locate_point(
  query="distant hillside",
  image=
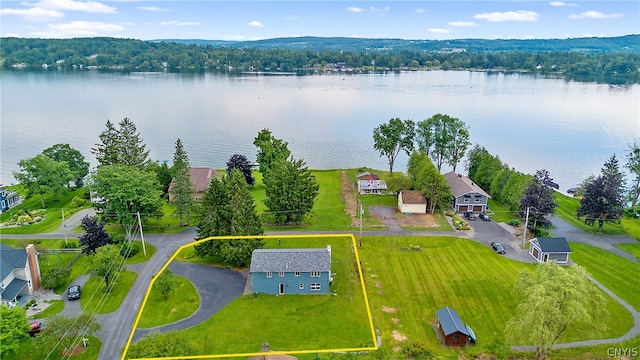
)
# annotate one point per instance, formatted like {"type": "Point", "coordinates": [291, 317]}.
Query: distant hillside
{"type": "Point", "coordinates": [592, 44]}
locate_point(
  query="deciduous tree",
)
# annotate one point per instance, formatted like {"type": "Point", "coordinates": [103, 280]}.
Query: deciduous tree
{"type": "Point", "coordinates": [426, 178]}
{"type": "Point", "coordinates": [165, 283]}
{"type": "Point", "coordinates": [78, 166]}
{"type": "Point", "coordinates": [54, 277]}
{"type": "Point", "coordinates": [392, 137]}
{"type": "Point", "coordinates": [13, 329]}
{"type": "Point", "coordinates": [552, 300]}
{"type": "Point", "coordinates": [108, 264]}
{"type": "Point", "coordinates": [241, 163]}
{"type": "Point", "coordinates": [291, 191]}
{"type": "Point", "coordinates": [633, 165]}
{"type": "Point", "coordinates": [42, 175]}
{"type": "Point", "coordinates": [182, 188]}
{"type": "Point", "coordinates": [539, 199]}
{"type": "Point", "coordinates": [444, 138]}
{"type": "Point", "coordinates": [67, 331]}
{"type": "Point", "coordinates": [95, 235]}
{"type": "Point", "coordinates": [270, 150]}
{"type": "Point", "coordinates": [126, 191]}
{"type": "Point", "coordinates": [603, 198]}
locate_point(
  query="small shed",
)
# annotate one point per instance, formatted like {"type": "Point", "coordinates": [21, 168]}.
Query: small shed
{"type": "Point", "coordinates": [412, 202]}
{"type": "Point", "coordinates": [545, 249]}
{"type": "Point", "coordinates": [451, 330]}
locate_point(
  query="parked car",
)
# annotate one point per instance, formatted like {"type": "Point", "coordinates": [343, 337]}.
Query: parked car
{"type": "Point", "coordinates": [484, 217]}
{"type": "Point", "coordinates": [73, 292]}
{"type": "Point", "coordinates": [470, 215]}
{"type": "Point", "coordinates": [498, 247]}
{"type": "Point", "coordinates": [34, 328]}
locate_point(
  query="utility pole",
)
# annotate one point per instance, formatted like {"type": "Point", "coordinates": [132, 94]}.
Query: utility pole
{"type": "Point", "coordinates": [144, 247]}
{"type": "Point", "coordinates": [361, 211]}
{"type": "Point", "coordinates": [526, 223]}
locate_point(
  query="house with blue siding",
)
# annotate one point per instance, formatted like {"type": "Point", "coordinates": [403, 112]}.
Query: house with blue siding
{"type": "Point", "coordinates": [8, 199]}
{"type": "Point", "coordinates": [291, 271]}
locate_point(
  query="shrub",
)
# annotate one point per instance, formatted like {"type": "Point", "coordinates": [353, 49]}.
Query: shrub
{"type": "Point", "coordinates": [130, 248]}
{"type": "Point", "coordinates": [77, 202]}
{"type": "Point", "coordinates": [70, 245]}
{"type": "Point", "coordinates": [54, 277]}
{"type": "Point", "coordinates": [514, 222]}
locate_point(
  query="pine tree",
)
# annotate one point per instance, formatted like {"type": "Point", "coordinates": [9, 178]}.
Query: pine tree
{"type": "Point", "coordinates": [122, 146]}
{"type": "Point", "coordinates": [107, 151]}
{"type": "Point", "coordinates": [291, 190]}
{"type": "Point", "coordinates": [214, 217]}
{"type": "Point", "coordinates": [182, 189]}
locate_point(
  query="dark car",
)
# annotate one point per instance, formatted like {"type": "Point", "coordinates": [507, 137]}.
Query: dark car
{"type": "Point", "coordinates": [484, 217]}
{"type": "Point", "coordinates": [498, 247]}
{"type": "Point", "coordinates": [34, 328]}
{"type": "Point", "coordinates": [470, 215]}
{"type": "Point", "coordinates": [73, 292]}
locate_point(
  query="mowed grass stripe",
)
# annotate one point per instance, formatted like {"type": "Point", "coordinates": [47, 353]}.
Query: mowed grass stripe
{"type": "Point", "coordinates": [616, 273]}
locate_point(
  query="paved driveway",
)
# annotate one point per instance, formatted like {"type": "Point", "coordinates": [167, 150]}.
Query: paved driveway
{"type": "Point", "coordinates": [486, 232]}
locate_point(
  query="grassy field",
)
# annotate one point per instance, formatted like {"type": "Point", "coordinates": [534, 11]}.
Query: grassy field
{"type": "Point", "coordinates": [406, 288]}
{"type": "Point", "coordinates": [631, 248]}
{"type": "Point", "coordinates": [181, 303]}
{"type": "Point", "coordinates": [29, 351]}
{"type": "Point", "coordinates": [297, 322]}
{"type": "Point", "coordinates": [617, 274]}
{"type": "Point", "coordinates": [567, 209]}
{"type": "Point", "coordinates": [95, 300]}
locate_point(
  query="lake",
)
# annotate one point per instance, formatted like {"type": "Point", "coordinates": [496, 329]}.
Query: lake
{"type": "Point", "coordinates": [568, 128]}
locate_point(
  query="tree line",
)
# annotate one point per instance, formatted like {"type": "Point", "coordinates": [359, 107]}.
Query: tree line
{"type": "Point", "coordinates": [612, 66]}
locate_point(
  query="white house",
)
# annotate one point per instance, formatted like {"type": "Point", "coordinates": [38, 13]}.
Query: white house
{"type": "Point", "coordinates": [412, 202]}
{"type": "Point", "coordinates": [19, 273]}
{"type": "Point", "coordinates": [545, 249]}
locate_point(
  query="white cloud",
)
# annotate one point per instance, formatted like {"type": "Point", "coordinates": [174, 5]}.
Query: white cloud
{"type": "Point", "coordinates": [462, 23]}
{"type": "Point", "coordinates": [179, 23]}
{"type": "Point", "coordinates": [255, 23]}
{"type": "Point", "coordinates": [591, 14]}
{"type": "Point", "coordinates": [438, 31]}
{"type": "Point", "coordinates": [561, 4]}
{"type": "Point", "coordinates": [520, 15]}
{"type": "Point", "coordinates": [34, 13]}
{"type": "Point", "coordinates": [79, 29]}
{"type": "Point", "coordinates": [378, 10]}
{"type": "Point", "coordinates": [153, 9]}
{"type": "Point", "coordinates": [420, 11]}
{"type": "Point", "coordinates": [84, 6]}
{"type": "Point", "coordinates": [355, 9]}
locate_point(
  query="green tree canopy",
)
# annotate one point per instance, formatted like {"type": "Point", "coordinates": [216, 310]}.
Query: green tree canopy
{"type": "Point", "coordinates": [161, 345]}
{"type": "Point", "coordinates": [633, 165]}
{"type": "Point", "coordinates": [108, 264]}
{"type": "Point", "coordinates": [552, 300]}
{"type": "Point", "coordinates": [426, 178]}
{"type": "Point", "coordinates": [121, 146]}
{"type": "Point", "coordinates": [392, 137]}
{"type": "Point", "coordinates": [165, 283]}
{"type": "Point", "coordinates": [78, 166]}
{"type": "Point", "coordinates": [42, 175]}
{"type": "Point", "coordinates": [444, 138]}
{"type": "Point", "coordinates": [13, 329]}
{"type": "Point", "coordinates": [67, 332]}
{"type": "Point", "coordinates": [126, 191]}
{"type": "Point", "coordinates": [270, 150]}
{"type": "Point", "coordinates": [291, 191]}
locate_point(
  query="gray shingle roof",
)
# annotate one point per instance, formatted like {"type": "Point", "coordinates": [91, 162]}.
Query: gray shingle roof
{"type": "Point", "coordinates": [11, 259]}
{"type": "Point", "coordinates": [288, 260]}
{"type": "Point", "coordinates": [13, 289]}
{"type": "Point", "coordinates": [554, 245]}
{"type": "Point", "coordinates": [450, 321]}
{"type": "Point", "coordinates": [461, 185]}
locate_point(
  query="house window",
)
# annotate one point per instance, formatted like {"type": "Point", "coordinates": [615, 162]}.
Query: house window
{"type": "Point", "coordinates": [269, 274]}
{"type": "Point", "coordinates": [315, 287]}
{"type": "Point", "coordinates": [478, 198]}
{"type": "Point", "coordinates": [297, 273]}
{"type": "Point", "coordinates": [281, 274]}
{"type": "Point", "coordinates": [315, 274]}
{"type": "Point", "coordinates": [467, 198]}
{"type": "Point", "coordinates": [456, 337]}
{"type": "Point", "coordinates": [301, 286]}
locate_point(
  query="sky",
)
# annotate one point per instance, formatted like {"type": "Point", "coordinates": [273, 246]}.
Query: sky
{"type": "Point", "coordinates": [255, 20]}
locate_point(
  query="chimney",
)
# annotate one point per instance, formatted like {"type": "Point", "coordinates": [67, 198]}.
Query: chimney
{"type": "Point", "coordinates": [34, 268]}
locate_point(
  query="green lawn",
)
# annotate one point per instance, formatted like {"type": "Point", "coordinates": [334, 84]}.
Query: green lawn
{"type": "Point", "coordinates": [29, 351]}
{"type": "Point", "coordinates": [616, 273]}
{"type": "Point", "coordinates": [632, 226]}
{"type": "Point", "coordinates": [500, 213]}
{"type": "Point", "coordinates": [52, 220]}
{"type": "Point", "coordinates": [406, 288]}
{"type": "Point", "coordinates": [567, 209]}
{"type": "Point", "coordinates": [94, 299]}
{"type": "Point", "coordinates": [631, 248]}
{"type": "Point", "coordinates": [55, 307]}
{"type": "Point", "coordinates": [181, 303]}
{"type": "Point", "coordinates": [297, 322]}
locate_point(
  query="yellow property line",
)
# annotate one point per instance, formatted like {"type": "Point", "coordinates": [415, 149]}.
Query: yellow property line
{"type": "Point", "coordinates": [364, 292]}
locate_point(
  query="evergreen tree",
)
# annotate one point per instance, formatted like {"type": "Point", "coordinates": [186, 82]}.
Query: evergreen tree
{"type": "Point", "coordinates": [603, 198]}
{"type": "Point", "coordinates": [291, 191]}
{"type": "Point", "coordinates": [182, 189]}
{"type": "Point", "coordinates": [214, 217]}
{"type": "Point", "coordinates": [121, 146]}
